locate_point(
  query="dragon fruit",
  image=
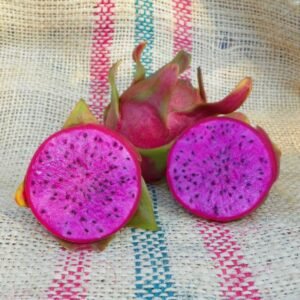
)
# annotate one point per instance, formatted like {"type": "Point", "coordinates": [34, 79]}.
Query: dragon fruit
{"type": "Point", "coordinates": [63, 183]}
{"type": "Point", "coordinates": [154, 111]}
{"type": "Point", "coordinates": [83, 183]}
{"type": "Point", "coordinates": [222, 168]}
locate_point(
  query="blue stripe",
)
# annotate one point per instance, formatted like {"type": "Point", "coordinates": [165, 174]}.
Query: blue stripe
{"type": "Point", "coordinates": [144, 30]}
{"type": "Point", "coordinates": [152, 267]}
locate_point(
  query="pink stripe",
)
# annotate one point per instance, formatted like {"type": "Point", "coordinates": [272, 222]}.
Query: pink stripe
{"type": "Point", "coordinates": [236, 279]}
{"type": "Point", "coordinates": [71, 275]}
{"type": "Point", "coordinates": [100, 59]}
{"type": "Point", "coordinates": [182, 14]}
{"type": "Point", "coordinates": [73, 267]}
{"type": "Point", "coordinates": [235, 276]}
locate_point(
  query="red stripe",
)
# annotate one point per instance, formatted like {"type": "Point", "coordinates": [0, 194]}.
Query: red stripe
{"type": "Point", "coordinates": [100, 58]}
{"type": "Point", "coordinates": [236, 279]}
{"type": "Point", "coordinates": [73, 267]}
{"type": "Point", "coordinates": [234, 273]}
{"type": "Point", "coordinates": [71, 275]}
{"type": "Point", "coordinates": [182, 14]}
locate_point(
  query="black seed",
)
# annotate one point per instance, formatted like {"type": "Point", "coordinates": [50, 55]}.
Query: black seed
{"type": "Point", "coordinates": [65, 207]}
{"type": "Point", "coordinates": [248, 184]}
{"type": "Point", "coordinates": [250, 141]}
{"type": "Point", "coordinates": [100, 230]}
{"type": "Point", "coordinates": [65, 141]}
{"type": "Point", "coordinates": [213, 183]}
{"type": "Point", "coordinates": [68, 196]}
{"type": "Point", "coordinates": [73, 212]}
{"type": "Point", "coordinates": [92, 155]}
{"type": "Point", "coordinates": [115, 209]}
{"type": "Point", "coordinates": [60, 179]}
{"type": "Point", "coordinates": [240, 197]}
{"type": "Point", "coordinates": [33, 182]}
{"type": "Point", "coordinates": [46, 181]}
{"type": "Point", "coordinates": [234, 187]}
{"type": "Point", "coordinates": [115, 144]}
{"type": "Point", "coordinates": [230, 194]}
{"type": "Point", "coordinates": [69, 232]}
{"type": "Point", "coordinates": [94, 221]}
{"type": "Point", "coordinates": [43, 211]}
{"type": "Point", "coordinates": [40, 160]}
{"type": "Point", "coordinates": [72, 146]}
{"type": "Point", "coordinates": [86, 230]}
{"type": "Point", "coordinates": [121, 148]}
{"type": "Point", "coordinates": [85, 135]}
{"type": "Point", "coordinates": [215, 208]}
{"type": "Point", "coordinates": [197, 196]}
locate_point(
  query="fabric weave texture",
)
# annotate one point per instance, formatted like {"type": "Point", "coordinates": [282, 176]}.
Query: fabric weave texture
{"type": "Point", "coordinates": [54, 52]}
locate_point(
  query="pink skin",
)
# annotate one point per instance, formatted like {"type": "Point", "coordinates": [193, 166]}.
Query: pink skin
{"type": "Point", "coordinates": [274, 171]}
{"type": "Point", "coordinates": [108, 132]}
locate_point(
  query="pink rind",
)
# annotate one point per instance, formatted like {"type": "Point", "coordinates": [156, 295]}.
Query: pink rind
{"type": "Point", "coordinates": [266, 141]}
{"type": "Point", "coordinates": [107, 131]}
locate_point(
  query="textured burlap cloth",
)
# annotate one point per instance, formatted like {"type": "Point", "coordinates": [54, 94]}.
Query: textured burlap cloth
{"type": "Point", "coordinates": [54, 52]}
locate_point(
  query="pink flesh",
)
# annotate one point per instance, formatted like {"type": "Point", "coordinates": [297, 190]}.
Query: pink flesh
{"type": "Point", "coordinates": [83, 183]}
{"type": "Point", "coordinates": [221, 169]}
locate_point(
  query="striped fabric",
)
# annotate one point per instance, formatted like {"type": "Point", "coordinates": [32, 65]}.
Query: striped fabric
{"type": "Point", "coordinates": [188, 257]}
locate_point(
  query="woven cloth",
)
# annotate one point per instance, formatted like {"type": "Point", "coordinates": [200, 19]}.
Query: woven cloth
{"type": "Point", "coordinates": [54, 52]}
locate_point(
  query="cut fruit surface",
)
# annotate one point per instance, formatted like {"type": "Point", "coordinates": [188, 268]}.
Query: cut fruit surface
{"type": "Point", "coordinates": [221, 169]}
{"type": "Point", "coordinates": [83, 183]}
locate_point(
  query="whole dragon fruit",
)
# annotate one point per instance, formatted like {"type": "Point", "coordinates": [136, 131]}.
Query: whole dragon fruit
{"type": "Point", "coordinates": [154, 111]}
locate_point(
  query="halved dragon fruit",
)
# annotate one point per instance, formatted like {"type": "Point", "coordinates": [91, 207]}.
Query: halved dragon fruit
{"type": "Point", "coordinates": [155, 110]}
{"type": "Point", "coordinates": [222, 168]}
{"type": "Point", "coordinates": [84, 183]}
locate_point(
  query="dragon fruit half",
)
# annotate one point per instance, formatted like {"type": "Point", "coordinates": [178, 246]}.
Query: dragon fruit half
{"type": "Point", "coordinates": [154, 111]}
